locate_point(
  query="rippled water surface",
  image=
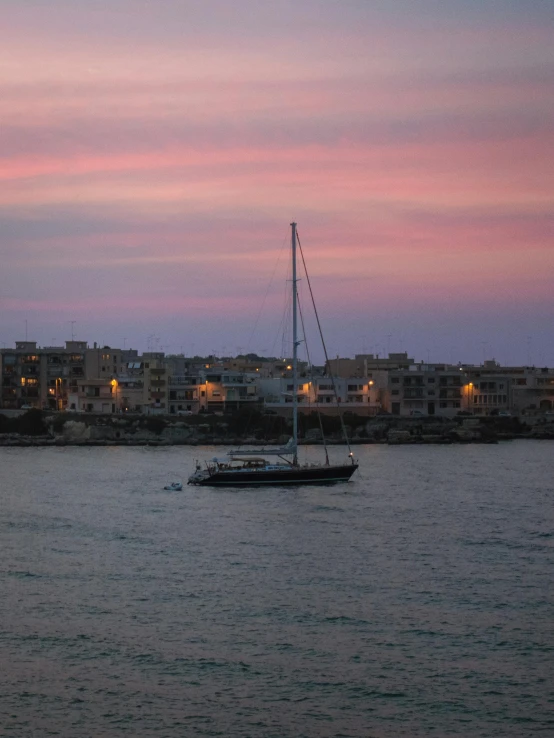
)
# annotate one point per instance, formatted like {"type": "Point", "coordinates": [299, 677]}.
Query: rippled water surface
{"type": "Point", "coordinates": [420, 603]}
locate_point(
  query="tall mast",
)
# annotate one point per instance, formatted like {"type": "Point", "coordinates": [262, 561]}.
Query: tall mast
{"type": "Point", "coordinates": [294, 346]}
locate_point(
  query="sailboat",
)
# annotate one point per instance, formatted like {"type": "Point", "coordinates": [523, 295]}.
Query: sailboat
{"type": "Point", "coordinates": [243, 468]}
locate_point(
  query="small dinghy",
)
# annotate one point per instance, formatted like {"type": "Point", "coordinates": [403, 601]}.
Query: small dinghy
{"type": "Point", "coordinates": [174, 487]}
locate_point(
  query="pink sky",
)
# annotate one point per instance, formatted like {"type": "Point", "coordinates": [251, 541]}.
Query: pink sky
{"type": "Point", "coordinates": [152, 156]}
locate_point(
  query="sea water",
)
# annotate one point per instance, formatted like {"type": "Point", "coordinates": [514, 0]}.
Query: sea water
{"type": "Point", "coordinates": [417, 600]}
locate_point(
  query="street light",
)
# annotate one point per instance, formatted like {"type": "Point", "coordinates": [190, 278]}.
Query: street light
{"type": "Point", "coordinates": [470, 397]}
{"type": "Point", "coordinates": [58, 383]}
{"type": "Point", "coordinates": [114, 388]}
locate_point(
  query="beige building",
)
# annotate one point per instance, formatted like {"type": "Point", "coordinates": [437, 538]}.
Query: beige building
{"type": "Point", "coordinates": [40, 377]}
{"type": "Point", "coordinates": [94, 396]}
{"type": "Point", "coordinates": [362, 365]}
{"type": "Point", "coordinates": [225, 390]}
{"type": "Point", "coordinates": [156, 392]}
{"type": "Point", "coordinates": [425, 389]}
{"type": "Point", "coordinates": [356, 395]}
{"type": "Point", "coordinates": [519, 390]}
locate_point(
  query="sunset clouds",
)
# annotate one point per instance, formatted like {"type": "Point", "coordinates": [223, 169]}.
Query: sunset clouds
{"type": "Point", "coordinates": [153, 154]}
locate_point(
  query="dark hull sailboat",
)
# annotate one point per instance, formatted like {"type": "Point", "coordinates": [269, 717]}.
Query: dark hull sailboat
{"type": "Point", "coordinates": [272, 475]}
{"type": "Point", "coordinates": [247, 468]}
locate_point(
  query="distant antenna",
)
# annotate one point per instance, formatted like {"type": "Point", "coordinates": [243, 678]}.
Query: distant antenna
{"type": "Point", "coordinates": [72, 328]}
{"type": "Point", "coordinates": [25, 330]}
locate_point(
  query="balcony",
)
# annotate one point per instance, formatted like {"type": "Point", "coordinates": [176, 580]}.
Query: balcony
{"type": "Point", "coordinates": [184, 381]}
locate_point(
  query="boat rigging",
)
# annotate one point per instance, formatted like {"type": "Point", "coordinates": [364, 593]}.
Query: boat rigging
{"type": "Point", "coordinates": [243, 468]}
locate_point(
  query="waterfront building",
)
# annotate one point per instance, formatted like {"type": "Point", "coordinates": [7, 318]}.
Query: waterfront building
{"type": "Point", "coordinates": [155, 389]}
{"type": "Point", "coordinates": [425, 389]}
{"type": "Point", "coordinates": [362, 365]}
{"type": "Point", "coordinates": [40, 377]}
{"type": "Point", "coordinates": [222, 390]}
{"type": "Point", "coordinates": [356, 395]}
{"type": "Point", "coordinates": [487, 389]}
{"type": "Point", "coordinates": [107, 362]}
{"type": "Point", "coordinates": [491, 389]}
{"type": "Point", "coordinates": [94, 396]}
{"type": "Point", "coordinates": [112, 380]}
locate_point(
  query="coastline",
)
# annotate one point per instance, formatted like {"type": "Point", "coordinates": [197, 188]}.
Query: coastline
{"type": "Point", "coordinates": [38, 429]}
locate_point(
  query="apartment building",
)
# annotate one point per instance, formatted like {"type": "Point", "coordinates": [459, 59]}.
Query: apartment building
{"type": "Point", "coordinates": [155, 388]}
{"type": "Point", "coordinates": [357, 395]}
{"type": "Point", "coordinates": [363, 365]}
{"type": "Point", "coordinates": [492, 389]}
{"type": "Point", "coordinates": [223, 390]}
{"type": "Point", "coordinates": [40, 377]}
{"type": "Point", "coordinates": [425, 389]}
{"type": "Point", "coordinates": [94, 396]}
{"type": "Point", "coordinates": [112, 380]}
{"type": "Point", "coordinates": [487, 389]}
{"type": "Point", "coordinates": [537, 394]}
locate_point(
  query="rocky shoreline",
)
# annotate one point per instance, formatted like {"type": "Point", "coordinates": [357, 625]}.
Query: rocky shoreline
{"type": "Point", "coordinates": [62, 429]}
